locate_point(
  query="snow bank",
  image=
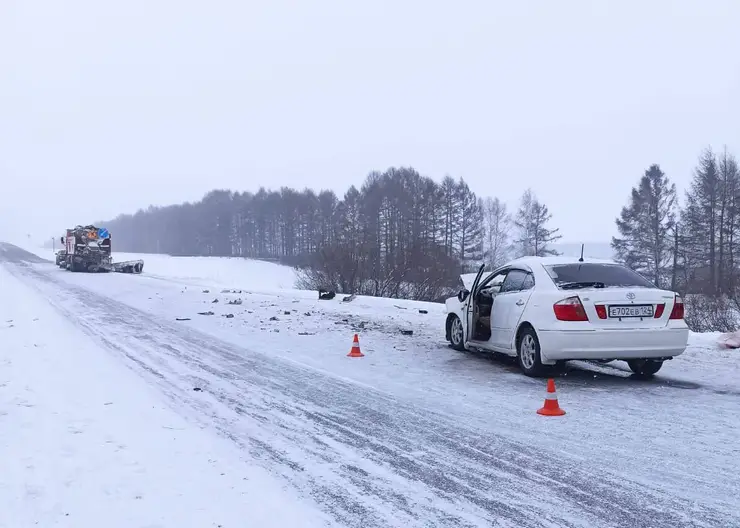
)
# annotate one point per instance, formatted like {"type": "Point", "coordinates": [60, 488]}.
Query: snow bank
{"type": "Point", "coordinates": [87, 443]}
{"type": "Point", "coordinates": [222, 272]}
{"type": "Point", "coordinates": [39, 251]}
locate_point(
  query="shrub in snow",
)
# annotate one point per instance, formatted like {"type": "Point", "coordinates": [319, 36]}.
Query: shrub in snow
{"type": "Point", "coordinates": [711, 314]}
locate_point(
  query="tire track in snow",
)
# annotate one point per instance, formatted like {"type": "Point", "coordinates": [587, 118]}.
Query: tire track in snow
{"type": "Point", "coordinates": [368, 458]}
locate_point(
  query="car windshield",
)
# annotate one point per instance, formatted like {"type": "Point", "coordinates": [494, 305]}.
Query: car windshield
{"type": "Point", "coordinates": [590, 275]}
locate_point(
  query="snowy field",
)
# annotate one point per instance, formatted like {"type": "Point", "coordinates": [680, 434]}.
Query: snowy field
{"type": "Point", "coordinates": [262, 401]}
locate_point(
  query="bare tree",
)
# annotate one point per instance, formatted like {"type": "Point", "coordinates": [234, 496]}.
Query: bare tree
{"type": "Point", "coordinates": [523, 244]}
{"type": "Point", "coordinates": [531, 222]}
{"type": "Point", "coordinates": [497, 228]}
{"type": "Point", "coordinates": [399, 234]}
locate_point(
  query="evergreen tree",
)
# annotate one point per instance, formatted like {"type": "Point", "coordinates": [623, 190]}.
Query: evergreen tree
{"type": "Point", "coordinates": [700, 221]}
{"type": "Point", "coordinates": [646, 227]}
{"type": "Point", "coordinates": [729, 222]}
{"type": "Point", "coordinates": [470, 234]}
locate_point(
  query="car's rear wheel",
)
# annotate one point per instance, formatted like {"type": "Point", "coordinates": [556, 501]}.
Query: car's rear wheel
{"type": "Point", "coordinates": [457, 334]}
{"type": "Point", "coordinates": [528, 353]}
{"type": "Point", "coordinates": [645, 368]}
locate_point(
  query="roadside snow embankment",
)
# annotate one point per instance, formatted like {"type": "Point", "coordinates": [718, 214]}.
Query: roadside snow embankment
{"type": "Point", "coordinates": [88, 443]}
{"type": "Point", "coordinates": [222, 272]}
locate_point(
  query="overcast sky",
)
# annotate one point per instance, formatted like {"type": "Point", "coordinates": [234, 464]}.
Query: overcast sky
{"type": "Point", "coordinates": [107, 107]}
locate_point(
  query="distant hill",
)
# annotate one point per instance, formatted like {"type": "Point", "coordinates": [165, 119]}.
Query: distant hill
{"type": "Point", "coordinates": [602, 250]}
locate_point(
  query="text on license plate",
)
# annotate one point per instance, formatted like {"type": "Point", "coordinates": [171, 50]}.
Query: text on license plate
{"type": "Point", "coordinates": [633, 310]}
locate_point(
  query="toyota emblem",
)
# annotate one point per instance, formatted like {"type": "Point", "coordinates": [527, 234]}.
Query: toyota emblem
{"type": "Point", "coordinates": [630, 296]}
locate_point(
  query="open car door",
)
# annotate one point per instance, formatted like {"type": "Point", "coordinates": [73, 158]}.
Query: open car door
{"type": "Point", "coordinates": [470, 306]}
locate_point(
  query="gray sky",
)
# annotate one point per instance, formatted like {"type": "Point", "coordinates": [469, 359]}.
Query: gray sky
{"type": "Point", "coordinates": [106, 107]}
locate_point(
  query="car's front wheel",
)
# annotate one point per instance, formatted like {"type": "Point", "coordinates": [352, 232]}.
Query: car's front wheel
{"type": "Point", "coordinates": [645, 368]}
{"type": "Point", "coordinates": [457, 334]}
{"type": "Point", "coordinates": [528, 353]}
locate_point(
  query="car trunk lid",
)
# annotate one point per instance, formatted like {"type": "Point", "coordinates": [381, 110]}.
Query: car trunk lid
{"type": "Point", "coordinates": [627, 308]}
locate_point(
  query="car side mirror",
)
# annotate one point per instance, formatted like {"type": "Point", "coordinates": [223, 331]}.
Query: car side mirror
{"type": "Point", "coordinates": [61, 239]}
{"type": "Point", "coordinates": [462, 295]}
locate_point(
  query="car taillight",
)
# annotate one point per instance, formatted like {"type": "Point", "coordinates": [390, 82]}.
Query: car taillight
{"type": "Point", "coordinates": [601, 311]}
{"type": "Point", "coordinates": [659, 310]}
{"type": "Point", "coordinates": [570, 309]}
{"type": "Point", "coordinates": [677, 312]}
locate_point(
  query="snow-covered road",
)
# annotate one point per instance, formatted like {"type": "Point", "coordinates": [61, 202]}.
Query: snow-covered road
{"type": "Point", "coordinates": [87, 443]}
{"type": "Point", "coordinates": [413, 434]}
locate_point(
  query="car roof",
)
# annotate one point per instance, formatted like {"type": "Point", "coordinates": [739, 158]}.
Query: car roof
{"type": "Point", "coordinates": [552, 261]}
{"type": "Point", "coordinates": [532, 264]}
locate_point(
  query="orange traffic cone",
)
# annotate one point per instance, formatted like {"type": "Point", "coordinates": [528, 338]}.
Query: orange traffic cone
{"type": "Point", "coordinates": [355, 352]}
{"type": "Point", "coordinates": [551, 407]}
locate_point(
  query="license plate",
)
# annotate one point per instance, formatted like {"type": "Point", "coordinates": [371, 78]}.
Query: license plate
{"type": "Point", "coordinates": [631, 310]}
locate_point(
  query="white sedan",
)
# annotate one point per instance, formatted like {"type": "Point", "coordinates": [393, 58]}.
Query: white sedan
{"type": "Point", "coordinates": [547, 310]}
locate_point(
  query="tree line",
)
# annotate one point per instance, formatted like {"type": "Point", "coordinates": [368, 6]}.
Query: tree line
{"type": "Point", "coordinates": [691, 246]}
{"type": "Point", "coordinates": [400, 234]}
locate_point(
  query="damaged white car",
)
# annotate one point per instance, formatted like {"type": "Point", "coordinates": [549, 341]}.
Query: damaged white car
{"type": "Point", "coordinates": [547, 310]}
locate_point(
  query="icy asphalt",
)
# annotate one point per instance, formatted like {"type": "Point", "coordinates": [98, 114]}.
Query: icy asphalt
{"type": "Point", "coordinates": [367, 457]}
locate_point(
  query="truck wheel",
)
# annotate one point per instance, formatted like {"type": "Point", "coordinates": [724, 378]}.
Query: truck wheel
{"type": "Point", "coordinates": [645, 368]}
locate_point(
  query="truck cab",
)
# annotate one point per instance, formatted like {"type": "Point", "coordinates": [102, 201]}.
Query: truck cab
{"type": "Point", "coordinates": [87, 248]}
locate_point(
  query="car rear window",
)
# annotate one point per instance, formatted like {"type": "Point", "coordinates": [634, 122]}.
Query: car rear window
{"type": "Point", "coordinates": [608, 274]}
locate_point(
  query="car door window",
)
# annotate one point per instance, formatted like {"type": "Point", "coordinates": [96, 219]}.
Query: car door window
{"type": "Point", "coordinates": [514, 281]}
{"type": "Point", "coordinates": [528, 283]}
{"type": "Point", "coordinates": [493, 283]}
